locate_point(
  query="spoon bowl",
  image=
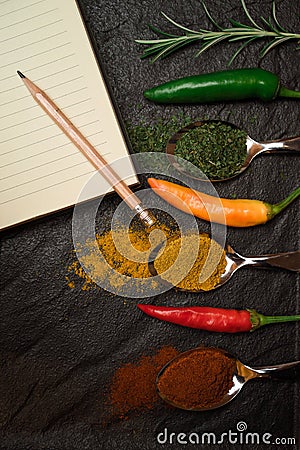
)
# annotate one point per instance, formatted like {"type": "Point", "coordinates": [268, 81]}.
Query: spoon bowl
{"type": "Point", "coordinates": [241, 374]}
{"type": "Point", "coordinates": [252, 149]}
{"type": "Point", "coordinates": [234, 261]}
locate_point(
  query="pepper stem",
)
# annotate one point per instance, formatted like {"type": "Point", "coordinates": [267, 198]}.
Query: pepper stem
{"type": "Point", "coordinates": [284, 92]}
{"type": "Point", "coordinates": [275, 209]}
{"type": "Point", "coordinates": [258, 320]}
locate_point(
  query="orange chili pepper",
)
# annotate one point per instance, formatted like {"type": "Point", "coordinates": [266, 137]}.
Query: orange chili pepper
{"type": "Point", "coordinates": [232, 212]}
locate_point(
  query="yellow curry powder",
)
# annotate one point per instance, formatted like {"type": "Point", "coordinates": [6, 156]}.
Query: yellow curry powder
{"type": "Point", "coordinates": [200, 264]}
{"type": "Point", "coordinates": [126, 251]}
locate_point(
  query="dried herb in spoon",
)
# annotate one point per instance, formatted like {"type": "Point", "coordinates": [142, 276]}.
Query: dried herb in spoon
{"type": "Point", "coordinates": [218, 149]}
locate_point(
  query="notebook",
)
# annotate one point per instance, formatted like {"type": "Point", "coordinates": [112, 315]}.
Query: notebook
{"type": "Point", "coordinates": [41, 171]}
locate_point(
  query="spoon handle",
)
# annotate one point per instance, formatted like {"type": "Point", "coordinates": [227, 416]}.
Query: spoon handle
{"type": "Point", "coordinates": [281, 145]}
{"type": "Point", "coordinates": [287, 260]}
{"type": "Point", "coordinates": [287, 370]}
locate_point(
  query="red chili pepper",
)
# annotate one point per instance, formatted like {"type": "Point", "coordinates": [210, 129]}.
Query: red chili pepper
{"type": "Point", "coordinates": [214, 319]}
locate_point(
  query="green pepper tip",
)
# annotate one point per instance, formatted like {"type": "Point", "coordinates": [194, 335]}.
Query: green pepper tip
{"type": "Point", "coordinates": [273, 210]}
{"type": "Point", "coordinates": [258, 320]}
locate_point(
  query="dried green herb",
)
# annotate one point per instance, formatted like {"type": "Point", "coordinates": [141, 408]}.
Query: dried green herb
{"type": "Point", "coordinates": [218, 149]}
{"type": "Point", "coordinates": [153, 138]}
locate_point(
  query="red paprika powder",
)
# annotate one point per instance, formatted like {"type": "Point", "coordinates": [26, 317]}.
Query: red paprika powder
{"type": "Point", "coordinates": [133, 385]}
{"type": "Point", "coordinates": [197, 379]}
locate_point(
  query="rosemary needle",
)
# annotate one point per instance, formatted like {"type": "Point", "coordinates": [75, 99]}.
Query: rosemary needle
{"type": "Point", "coordinates": [168, 43]}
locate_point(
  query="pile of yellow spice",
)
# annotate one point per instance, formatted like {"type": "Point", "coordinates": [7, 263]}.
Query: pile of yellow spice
{"type": "Point", "coordinates": [117, 254]}
{"type": "Point", "coordinates": [192, 262]}
{"type": "Point", "coordinates": [126, 251]}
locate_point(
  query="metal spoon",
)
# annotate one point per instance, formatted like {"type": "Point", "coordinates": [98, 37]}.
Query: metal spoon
{"type": "Point", "coordinates": [234, 261]}
{"type": "Point", "coordinates": [241, 375]}
{"type": "Point", "coordinates": [254, 148]}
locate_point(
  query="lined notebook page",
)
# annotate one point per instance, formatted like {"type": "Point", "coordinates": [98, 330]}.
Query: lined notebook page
{"type": "Point", "coordinates": [41, 171]}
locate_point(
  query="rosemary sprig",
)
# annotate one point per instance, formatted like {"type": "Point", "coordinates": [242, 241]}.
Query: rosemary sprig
{"type": "Point", "coordinates": [167, 43]}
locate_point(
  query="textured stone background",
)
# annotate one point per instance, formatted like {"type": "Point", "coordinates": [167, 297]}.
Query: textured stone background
{"type": "Point", "coordinates": [59, 347]}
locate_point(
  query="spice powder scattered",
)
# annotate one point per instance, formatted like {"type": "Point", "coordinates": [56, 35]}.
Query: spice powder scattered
{"type": "Point", "coordinates": [125, 251]}
{"type": "Point", "coordinates": [199, 379]}
{"type": "Point", "coordinates": [133, 386]}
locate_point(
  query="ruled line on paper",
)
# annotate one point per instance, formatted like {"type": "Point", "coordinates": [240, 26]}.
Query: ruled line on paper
{"type": "Point", "coordinates": [37, 167]}
{"type": "Point", "coordinates": [55, 98]}
{"type": "Point", "coordinates": [25, 7]}
{"type": "Point", "coordinates": [48, 187]}
{"type": "Point", "coordinates": [45, 176]}
{"type": "Point", "coordinates": [83, 113]}
{"type": "Point", "coordinates": [53, 61]}
{"type": "Point", "coordinates": [37, 154]}
{"type": "Point", "coordinates": [43, 115]}
{"type": "Point", "coordinates": [51, 125]}
{"type": "Point", "coordinates": [27, 20]}
{"type": "Point", "coordinates": [48, 163]}
{"type": "Point", "coordinates": [5, 1]}
{"type": "Point", "coordinates": [31, 44]}
{"type": "Point", "coordinates": [51, 74]}
{"type": "Point", "coordinates": [77, 103]}
{"type": "Point", "coordinates": [39, 54]}
{"type": "Point", "coordinates": [42, 27]}
{"type": "Point", "coordinates": [43, 128]}
{"type": "Point", "coordinates": [35, 106]}
{"type": "Point", "coordinates": [12, 101]}
{"type": "Point", "coordinates": [30, 145]}
{"type": "Point", "coordinates": [26, 134]}
{"type": "Point", "coordinates": [64, 83]}
{"type": "Point", "coordinates": [30, 69]}
{"type": "Point", "coordinates": [22, 123]}
{"type": "Point", "coordinates": [46, 151]}
{"type": "Point", "coordinates": [54, 148]}
{"type": "Point", "coordinates": [52, 87]}
{"type": "Point", "coordinates": [19, 110]}
{"type": "Point", "coordinates": [32, 119]}
{"type": "Point", "coordinates": [70, 93]}
{"type": "Point", "coordinates": [11, 89]}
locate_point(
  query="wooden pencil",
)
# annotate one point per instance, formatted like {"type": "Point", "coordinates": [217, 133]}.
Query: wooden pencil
{"type": "Point", "coordinates": [88, 150]}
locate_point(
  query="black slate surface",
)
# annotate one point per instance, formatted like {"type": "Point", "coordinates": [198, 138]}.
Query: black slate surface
{"type": "Point", "coordinates": [60, 346]}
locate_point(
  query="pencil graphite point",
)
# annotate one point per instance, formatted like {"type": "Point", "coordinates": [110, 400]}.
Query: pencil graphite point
{"type": "Point", "coordinates": [20, 74]}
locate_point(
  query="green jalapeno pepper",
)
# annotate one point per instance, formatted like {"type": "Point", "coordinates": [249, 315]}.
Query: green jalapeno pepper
{"type": "Point", "coordinates": [227, 85]}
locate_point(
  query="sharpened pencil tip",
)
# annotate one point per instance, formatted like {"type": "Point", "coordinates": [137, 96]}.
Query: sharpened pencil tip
{"type": "Point", "coordinates": [20, 74]}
